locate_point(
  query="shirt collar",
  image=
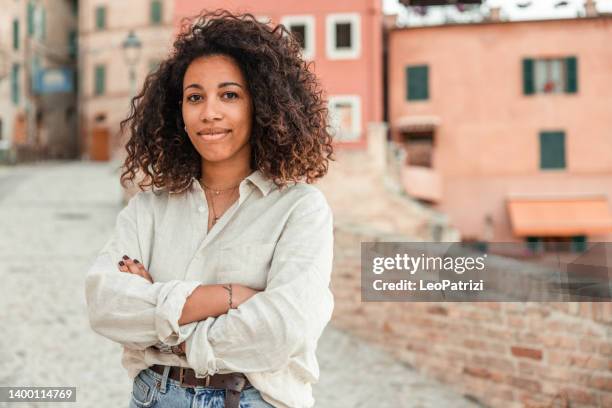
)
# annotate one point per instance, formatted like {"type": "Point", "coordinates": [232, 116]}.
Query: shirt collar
{"type": "Point", "coordinates": [264, 184]}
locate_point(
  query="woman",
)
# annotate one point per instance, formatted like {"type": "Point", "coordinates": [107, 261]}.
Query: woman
{"type": "Point", "coordinates": [216, 282]}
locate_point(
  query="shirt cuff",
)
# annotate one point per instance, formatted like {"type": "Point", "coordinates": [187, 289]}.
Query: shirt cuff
{"type": "Point", "coordinates": [168, 311]}
{"type": "Point", "coordinates": [200, 354]}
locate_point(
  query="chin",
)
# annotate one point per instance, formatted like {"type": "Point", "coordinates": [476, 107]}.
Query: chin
{"type": "Point", "coordinates": [215, 156]}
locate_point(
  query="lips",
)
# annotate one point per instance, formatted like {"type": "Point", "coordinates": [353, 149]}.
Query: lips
{"type": "Point", "coordinates": [213, 134]}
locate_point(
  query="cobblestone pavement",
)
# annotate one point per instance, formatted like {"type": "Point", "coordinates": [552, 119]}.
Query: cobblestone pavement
{"type": "Point", "coordinates": [54, 217]}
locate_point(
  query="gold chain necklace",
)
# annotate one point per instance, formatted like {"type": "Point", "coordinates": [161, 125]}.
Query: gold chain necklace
{"type": "Point", "coordinates": [216, 193]}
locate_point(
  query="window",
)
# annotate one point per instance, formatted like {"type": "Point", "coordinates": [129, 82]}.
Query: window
{"type": "Point", "coordinates": [534, 244]}
{"type": "Point", "coordinates": [576, 243]}
{"type": "Point", "coordinates": [100, 79]}
{"type": "Point", "coordinates": [73, 46]}
{"type": "Point", "coordinates": [417, 81]}
{"type": "Point", "coordinates": [100, 18]}
{"type": "Point", "coordinates": [552, 150]}
{"type": "Point", "coordinates": [343, 36]}
{"type": "Point", "coordinates": [419, 148]}
{"type": "Point", "coordinates": [345, 117]}
{"type": "Point", "coordinates": [15, 34]}
{"type": "Point", "coordinates": [303, 29]}
{"type": "Point", "coordinates": [551, 75]}
{"type": "Point", "coordinates": [579, 243]}
{"type": "Point", "coordinates": [15, 91]}
{"type": "Point", "coordinates": [156, 12]}
{"type": "Point", "coordinates": [41, 23]}
{"type": "Point", "coordinates": [30, 19]}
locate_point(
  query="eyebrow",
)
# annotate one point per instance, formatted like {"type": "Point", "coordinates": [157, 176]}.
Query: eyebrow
{"type": "Point", "coordinates": [221, 85]}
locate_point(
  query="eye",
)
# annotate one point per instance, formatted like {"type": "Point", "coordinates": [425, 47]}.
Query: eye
{"type": "Point", "coordinates": [230, 95]}
{"type": "Point", "coordinates": [194, 98]}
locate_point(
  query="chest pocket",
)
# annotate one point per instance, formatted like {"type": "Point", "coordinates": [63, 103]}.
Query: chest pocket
{"type": "Point", "coordinates": [246, 264]}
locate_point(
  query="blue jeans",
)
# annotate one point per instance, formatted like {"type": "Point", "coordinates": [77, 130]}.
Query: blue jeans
{"type": "Point", "coordinates": [151, 389]}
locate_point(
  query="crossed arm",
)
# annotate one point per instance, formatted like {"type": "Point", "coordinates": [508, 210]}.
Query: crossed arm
{"type": "Point", "coordinates": [204, 302]}
{"type": "Point", "coordinates": [274, 325]}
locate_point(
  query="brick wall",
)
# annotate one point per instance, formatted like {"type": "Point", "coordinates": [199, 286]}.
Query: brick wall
{"type": "Point", "coordinates": [501, 354]}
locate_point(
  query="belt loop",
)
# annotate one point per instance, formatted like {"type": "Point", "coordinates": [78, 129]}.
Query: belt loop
{"type": "Point", "coordinates": [164, 379]}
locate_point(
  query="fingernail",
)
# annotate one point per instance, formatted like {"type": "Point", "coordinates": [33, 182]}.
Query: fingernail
{"type": "Point", "coordinates": [136, 261]}
{"type": "Point", "coordinates": [126, 257]}
{"type": "Point", "coordinates": [121, 263]}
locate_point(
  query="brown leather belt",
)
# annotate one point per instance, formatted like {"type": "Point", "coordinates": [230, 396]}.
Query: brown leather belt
{"type": "Point", "coordinates": [233, 383]}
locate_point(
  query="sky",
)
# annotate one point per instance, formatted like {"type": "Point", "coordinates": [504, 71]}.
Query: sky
{"type": "Point", "coordinates": [539, 9]}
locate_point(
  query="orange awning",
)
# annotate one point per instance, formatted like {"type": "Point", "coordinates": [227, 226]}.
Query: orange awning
{"type": "Point", "coordinates": [417, 123]}
{"type": "Point", "coordinates": [560, 216]}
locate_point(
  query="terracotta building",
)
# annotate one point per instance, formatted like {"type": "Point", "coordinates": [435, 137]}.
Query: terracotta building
{"type": "Point", "coordinates": [37, 79]}
{"type": "Point", "coordinates": [119, 43]}
{"type": "Point", "coordinates": [506, 126]}
{"type": "Point", "coordinates": [344, 40]}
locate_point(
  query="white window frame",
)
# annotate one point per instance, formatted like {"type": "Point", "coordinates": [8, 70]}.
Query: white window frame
{"type": "Point", "coordinates": [355, 101]}
{"type": "Point", "coordinates": [308, 21]}
{"type": "Point", "coordinates": [339, 53]}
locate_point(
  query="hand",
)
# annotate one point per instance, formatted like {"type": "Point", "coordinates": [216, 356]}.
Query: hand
{"type": "Point", "coordinates": [134, 267]}
{"type": "Point", "coordinates": [241, 294]}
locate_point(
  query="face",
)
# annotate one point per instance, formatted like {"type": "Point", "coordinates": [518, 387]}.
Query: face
{"type": "Point", "coordinates": [217, 109]}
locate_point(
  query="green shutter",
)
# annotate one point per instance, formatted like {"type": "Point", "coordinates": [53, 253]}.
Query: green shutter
{"type": "Point", "coordinates": [101, 18]}
{"type": "Point", "coordinates": [30, 18]}
{"type": "Point", "coordinates": [72, 43]}
{"type": "Point", "coordinates": [43, 24]}
{"type": "Point", "coordinates": [15, 34]}
{"type": "Point", "coordinates": [534, 244]}
{"type": "Point", "coordinates": [100, 79]}
{"type": "Point", "coordinates": [552, 150]}
{"type": "Point", "coordinates": [417, 78]}
{"type": "Point", "coordinates": [528, 79]}
{"type": "Point", "coordinates": [15, 92]}
{"type": "Point", "coordinates": [579, 243]}
{"type": "Point", "coordinates": [156, 12]}
{"type": "Point", "coordinates": [571, 72]}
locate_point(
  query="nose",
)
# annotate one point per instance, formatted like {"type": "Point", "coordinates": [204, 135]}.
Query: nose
{"type": "Point", "coordinates": [210, 111]}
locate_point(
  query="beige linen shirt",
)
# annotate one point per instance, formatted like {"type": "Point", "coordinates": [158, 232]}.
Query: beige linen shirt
{"type": "Point", "coordinates": [280, 242]}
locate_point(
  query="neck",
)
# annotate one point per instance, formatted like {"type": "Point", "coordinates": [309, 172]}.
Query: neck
{"type": "Point", "coordinates": [222, 175]}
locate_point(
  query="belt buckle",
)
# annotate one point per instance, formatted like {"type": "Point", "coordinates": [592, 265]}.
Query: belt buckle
{"type": "Point", "coordinates": [182, 377]}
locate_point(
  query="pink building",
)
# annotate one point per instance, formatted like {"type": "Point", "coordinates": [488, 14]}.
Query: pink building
{"type": "Point", "coordinates": [344, 40]}
{"type": "Point", "coordinates": [507, 126]}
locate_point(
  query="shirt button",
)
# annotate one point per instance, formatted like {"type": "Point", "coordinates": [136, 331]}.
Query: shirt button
{"type": "Point", "coordinates": [201, 208]}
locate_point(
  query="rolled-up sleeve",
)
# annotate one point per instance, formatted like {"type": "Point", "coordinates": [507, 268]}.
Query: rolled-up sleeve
{"type": "Point", "coordinates": [127, 308]}
{"type": "Point", "coordinates": [289, 316]}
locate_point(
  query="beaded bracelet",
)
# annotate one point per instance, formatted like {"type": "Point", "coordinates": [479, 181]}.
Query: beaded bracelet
{"type": "Point", "coordinates": [229, 289]}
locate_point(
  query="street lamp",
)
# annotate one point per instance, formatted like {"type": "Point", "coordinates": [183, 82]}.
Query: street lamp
{"type": "Point", "coordinates": [131, 51]}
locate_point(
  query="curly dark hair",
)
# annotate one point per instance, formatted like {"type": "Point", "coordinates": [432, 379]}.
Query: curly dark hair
{"type": "Point", "coordinates": [290, 141]}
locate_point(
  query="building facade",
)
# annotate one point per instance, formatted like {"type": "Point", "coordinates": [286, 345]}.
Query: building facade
{"type": "Point", "coordinates": [109, 73]}
{"type": "Point", "coordinates": [506, 126]}
{"type": "Point", "coordinates": [37, 62]}
{"type": "Point", "coordinates": [344, 41]}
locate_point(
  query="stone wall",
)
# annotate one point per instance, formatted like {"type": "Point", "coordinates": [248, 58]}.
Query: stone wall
{"type": "Point", "coordinates": [501, 354]}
